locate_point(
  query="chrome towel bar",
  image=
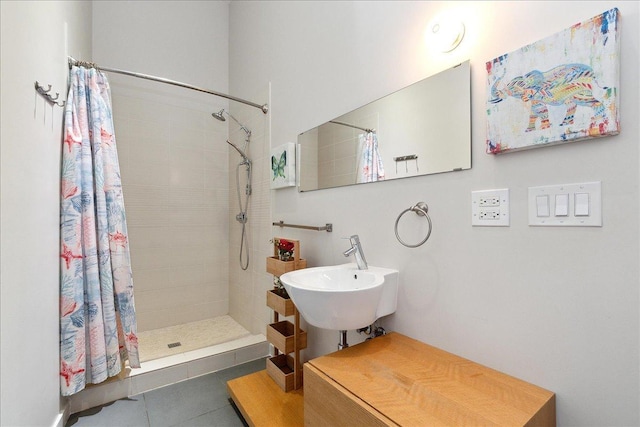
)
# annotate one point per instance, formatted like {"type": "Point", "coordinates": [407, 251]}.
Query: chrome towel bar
{"type": "Point", "coordinates": [328, 227]}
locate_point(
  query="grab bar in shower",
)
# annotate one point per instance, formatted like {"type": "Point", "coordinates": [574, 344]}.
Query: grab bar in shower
{"type": "Point", "coordinates": [328, 227]}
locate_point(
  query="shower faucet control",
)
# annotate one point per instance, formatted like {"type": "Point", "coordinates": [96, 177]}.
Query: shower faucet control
{"type": "Point", "coordinates": [356, 250]}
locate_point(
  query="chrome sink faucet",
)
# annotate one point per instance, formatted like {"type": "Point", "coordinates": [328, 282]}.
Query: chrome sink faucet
{"type": "Point", "coordinates": [356, 250]}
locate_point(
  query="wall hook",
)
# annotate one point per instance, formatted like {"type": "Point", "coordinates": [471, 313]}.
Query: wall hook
{"type": "Point", "coordinates": [45, 94]}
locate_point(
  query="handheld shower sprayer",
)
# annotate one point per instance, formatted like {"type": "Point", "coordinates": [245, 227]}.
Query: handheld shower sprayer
{"type": "Point", "coordinates": [245, 158]}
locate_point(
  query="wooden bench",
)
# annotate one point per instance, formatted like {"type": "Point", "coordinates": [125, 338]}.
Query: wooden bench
{"type": "Point", "coordinates": [394, 380]}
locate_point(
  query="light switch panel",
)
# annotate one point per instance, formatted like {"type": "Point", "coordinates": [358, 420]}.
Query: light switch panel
{"type": "Point", "coordinates": [572, 205]}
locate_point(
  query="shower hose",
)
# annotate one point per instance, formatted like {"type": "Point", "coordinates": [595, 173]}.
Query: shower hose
{"type": "Point", "coordinates": [242, 216]}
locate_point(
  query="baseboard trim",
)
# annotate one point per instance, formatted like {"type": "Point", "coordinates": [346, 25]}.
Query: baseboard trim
{"type": "Point", "coordinates": [63, 417]}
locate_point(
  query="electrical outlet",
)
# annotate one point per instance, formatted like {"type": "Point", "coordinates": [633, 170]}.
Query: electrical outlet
{"type": "Point", "coordinates": [489, 201]}
{"type": "Point", "coordinates": [490, 208]}
{"type": "Point", "coordinates": [489, 214]}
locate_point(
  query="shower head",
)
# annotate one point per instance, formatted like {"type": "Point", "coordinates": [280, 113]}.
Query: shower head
{"type": "Point", "coordinates": [219, 116]}
{"type": "Point", "coordinates": [245, 158]}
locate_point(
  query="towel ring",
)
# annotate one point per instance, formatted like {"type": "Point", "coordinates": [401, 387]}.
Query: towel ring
{"type": "Point", "coordinates": [421, 209]}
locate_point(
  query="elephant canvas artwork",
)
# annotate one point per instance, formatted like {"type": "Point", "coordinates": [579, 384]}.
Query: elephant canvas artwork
{"type": "Point", "coordinates": [560, 89]}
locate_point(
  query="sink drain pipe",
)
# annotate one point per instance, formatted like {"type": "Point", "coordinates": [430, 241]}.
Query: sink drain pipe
{"type": "Point", "coordinates": [343, 340]}
{"type": "Point", "coordinates": [373, 331]}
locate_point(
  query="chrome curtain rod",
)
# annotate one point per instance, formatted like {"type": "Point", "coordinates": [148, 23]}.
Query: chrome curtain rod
{"type": "Point", "coordinates": [73, 62]}
{"type": "Point", "coordinates": [352, 126]}
{"type": "Point", "coordinates": [328, 227]}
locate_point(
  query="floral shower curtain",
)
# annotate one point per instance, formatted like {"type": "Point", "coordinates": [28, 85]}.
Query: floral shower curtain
{"type": "Point", "coordinates": [370, 168]}
{"type": "Point", "coordinates": [97, 314]}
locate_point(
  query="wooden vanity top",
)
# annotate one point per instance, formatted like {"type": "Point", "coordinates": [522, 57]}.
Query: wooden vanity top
{"type": "Point", "coordinates": [408, 383]}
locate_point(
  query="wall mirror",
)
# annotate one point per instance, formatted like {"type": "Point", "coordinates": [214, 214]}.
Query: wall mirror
{"type": "Point", "coordinates": [422, 129]}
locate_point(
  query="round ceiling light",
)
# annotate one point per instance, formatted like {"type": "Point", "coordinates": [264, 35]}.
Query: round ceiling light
{"type": "Point", "coordinates": [444, 33]}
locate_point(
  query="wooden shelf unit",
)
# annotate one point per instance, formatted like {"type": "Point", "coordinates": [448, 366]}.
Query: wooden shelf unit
{"type": "Point", "coordinates": [285, 336]}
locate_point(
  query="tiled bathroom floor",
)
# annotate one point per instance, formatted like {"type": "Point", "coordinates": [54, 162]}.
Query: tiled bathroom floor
{"type": "Point", "coordinates": [201, 401]}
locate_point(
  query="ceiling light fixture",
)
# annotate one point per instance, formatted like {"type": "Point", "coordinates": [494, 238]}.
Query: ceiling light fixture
{"type": "Point", "coordinates": [444, 33]}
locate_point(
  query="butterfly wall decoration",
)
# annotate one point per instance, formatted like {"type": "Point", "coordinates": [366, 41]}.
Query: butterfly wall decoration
{"type": "Point", "coordinates": [283, 166]}
{"type": "Point", "coordinates": [277, 166]}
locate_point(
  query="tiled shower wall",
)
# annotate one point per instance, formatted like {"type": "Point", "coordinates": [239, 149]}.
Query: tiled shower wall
{"type": "Point", "coordinates": [174, 166]}
{"type": "Point", "coordinates": [247, 288]}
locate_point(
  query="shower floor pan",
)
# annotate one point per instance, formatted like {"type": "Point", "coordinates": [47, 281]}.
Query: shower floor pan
{"type": "Point", "coordinates": [160, 343]}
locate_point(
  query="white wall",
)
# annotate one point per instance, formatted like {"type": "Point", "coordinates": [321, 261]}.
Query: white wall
{"type": "Point", "coordinates": [185, 41]}
{"type": "Point", "coordinates": [557, 307]}
{"type": "Point", "coordinates": [33, 48]}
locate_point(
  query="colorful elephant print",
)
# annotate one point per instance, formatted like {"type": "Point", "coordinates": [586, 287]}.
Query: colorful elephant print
{"type": "Point", "coordinates": [570, 85]}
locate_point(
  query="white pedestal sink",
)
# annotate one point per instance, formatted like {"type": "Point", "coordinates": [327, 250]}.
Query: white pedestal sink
{"type": "Point", "coordinates": [342, 297]}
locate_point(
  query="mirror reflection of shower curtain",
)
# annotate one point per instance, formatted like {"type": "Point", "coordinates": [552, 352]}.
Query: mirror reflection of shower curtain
{"type": "Point", "coordinates": [370, 167]}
